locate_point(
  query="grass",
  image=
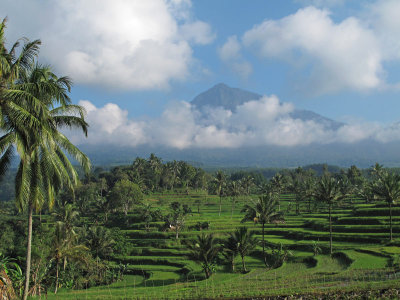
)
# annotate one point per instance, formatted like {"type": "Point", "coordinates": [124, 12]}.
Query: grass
{"type": "Point", "coordinates": [361, 260]}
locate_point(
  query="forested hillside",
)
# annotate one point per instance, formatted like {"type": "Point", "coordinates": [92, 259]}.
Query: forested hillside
{"type": "Point", "coordinates": [142, 229]}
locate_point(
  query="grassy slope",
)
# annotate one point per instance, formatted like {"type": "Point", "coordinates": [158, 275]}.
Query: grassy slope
{"type": "Point", "coordinates": [362, 261]}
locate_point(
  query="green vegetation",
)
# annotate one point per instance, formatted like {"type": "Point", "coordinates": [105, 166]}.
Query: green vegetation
{"type": "Point", "coordinates": [173, 243]}
{"type": "Point", "coordinates": [170, 230]}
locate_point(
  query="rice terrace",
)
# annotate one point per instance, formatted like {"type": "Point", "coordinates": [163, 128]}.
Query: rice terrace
{"type": "Point", "coordinates": [115, 185]}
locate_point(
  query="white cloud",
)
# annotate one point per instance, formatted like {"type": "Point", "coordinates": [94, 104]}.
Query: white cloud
{"type": "Point", "coordinates": [119, 44]}
{"type": "Point", "coordinates": [384, 18]}
{"type": "Point", "coordinates": [322, 3]}
{"type": "Point", "coordinates": [344, 55]}
{"type": "Point", "coordinates": [230, 54]}
{"type": "Point", "coordinates": [198, 32]}
{"type": "Point", "coordinates": [111, 125]}
{"type": "Point", "coordinates": [261, 122]}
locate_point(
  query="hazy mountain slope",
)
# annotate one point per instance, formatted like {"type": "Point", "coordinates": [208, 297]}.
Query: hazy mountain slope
{"type": "Point", "coordinates": [363, 154]}
{"type": "Point", "coordinates": [227, 97]}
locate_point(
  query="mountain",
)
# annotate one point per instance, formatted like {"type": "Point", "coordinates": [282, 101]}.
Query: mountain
{"type": "Point", "coordinates": [224, 96]}
{"type": "Point", "coordinates": [230, 98]}
{"type": "Point", "coordinates": [363, 154]}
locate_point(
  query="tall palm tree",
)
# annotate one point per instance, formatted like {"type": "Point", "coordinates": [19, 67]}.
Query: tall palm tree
{"type": "Point", "coordinates": [220, 181]}
{"type": "Point", "coordinates": [278, 184]}
{"type": "Point", "coordinates": [387, 187]}
{"type": "Point", "coordinates": [247, 183]}
{"type": "Point", "coordinates": [34, 105]}
{"type": "Point", "coordinates": [64, 249]}
{"type": "Point", "coordinates": [230, 248]}
{"type": "Point", "coordinates": [243, 242]}
{"type": "Point", "coordinates": [155, 166]}
{"type": "Point", "coordinates": [11, 66]}
{"type": "Point", "coordinates": [328, 190]}
{"type": "Point", "coordinates": [203, 250]}
{"type": "Point", "coordinates": [100, 241]}
{"type": "Point", "coordinates": [234, 190]}
{"type": "Point", "coordinates": [67, 218]}
{"type": "Point", "coordinates": [263, 211]}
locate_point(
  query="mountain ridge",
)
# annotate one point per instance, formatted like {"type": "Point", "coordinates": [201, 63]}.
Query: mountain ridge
{"type": "Point", "coordinates": [222, 95]}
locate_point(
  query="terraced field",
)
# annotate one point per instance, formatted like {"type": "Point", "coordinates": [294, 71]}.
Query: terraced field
{"type": "Point", "coordinates": [158, 267]}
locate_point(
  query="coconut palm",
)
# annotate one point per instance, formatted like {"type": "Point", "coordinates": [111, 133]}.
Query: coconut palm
{"type": "Point", "coordinates": [278, 184]}
{"type": "Point", "coordinates": [34, 104]}
{"type": "Point", "coordinates": [230, 251]}
{"type": "Point", "coordinates": [328, 190]}
{"type": "Point", "coordinates": [263, 211]}
{"type": "Point", "coordinates": [387, 187]}
{"type": "Point", "coordinates": [247, 183]}
{"type": "Point", "coordinates": [234, 190]}
{"type": "Point", "coordinates": [203, 250]}
{"type": "Point", "coordinates": [67, 217]}
{"type": "Point", "coordinates": [64, 249]}
{"type": "Point", "coordinates": [100, 241]}
{"type": "Point", "coordinates": [220, 181]}
{"type": "Point", "coordinates": [244, 242]}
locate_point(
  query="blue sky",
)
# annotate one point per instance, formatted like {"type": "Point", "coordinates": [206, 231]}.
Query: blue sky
{"type": "Point", "coordinates": [135, 63]}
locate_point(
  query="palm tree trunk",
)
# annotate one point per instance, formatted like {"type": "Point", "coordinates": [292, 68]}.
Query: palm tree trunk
{"type": "Point", "coordinates": [243, 264]}
{"type": "Point", "coordinates": [263, 245]}
{"type": "Point", "coordinates": [233, 203]}
{"type": "Point", "coordinates": [233, 263]}
{"type": "Point", "coordinates": [207, 272]}
{"type": "Point", "coordinates": [330, 230]}
{"type": "Point", "coordinates": [390, 222]}
{"type": "Point", "coordinates": [220, 205]}
{"type": "Point", "coordinates": [28, 252]}
{"type": "Point", "coordinates": [57, 270]}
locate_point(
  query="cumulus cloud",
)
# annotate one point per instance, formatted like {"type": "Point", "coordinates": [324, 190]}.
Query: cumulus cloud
{"type": "Point", "coordinates": [120, 44]}
{"type": "Point", "coordinates": [266, 121]}
{"type": "Point", "coordinates": [343, 55]}
{"type": "Point", "coordinates": [321, 3]}
{"type": "Point", "coordinates": [110, 125]}
{"type": "Point", "coordinates": [198, 32]}
{"type": "Point", "coordinates": [383, 16]}
{"type": "Point", "coordinates": [230, 54]}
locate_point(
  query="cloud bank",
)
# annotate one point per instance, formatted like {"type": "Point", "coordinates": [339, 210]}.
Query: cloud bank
{"type": "Point", "coordinates": [121, 44]}
{"type": "Point", "coordinates": [327, 55]}
{"type": "Point", "coordinates": [266, 121]}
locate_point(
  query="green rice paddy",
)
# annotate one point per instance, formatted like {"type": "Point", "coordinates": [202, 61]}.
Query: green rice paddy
{"type": "Point", "coordinates": [159, 268]}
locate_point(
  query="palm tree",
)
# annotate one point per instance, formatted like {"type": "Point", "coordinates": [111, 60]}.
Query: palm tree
{"type": "Point", "coordinates": [243, 241]}
{"type": "Point", "coordinates": [65, 248]}
{"type": "Point", "coordinates": [11, 66]}
{"type": "Point", "coordinates": [230, 250]}
{"type": "Point", "coordinates": [247, 183]}
{"type": "Point", "coordinates": [155, 166]}
{"type": "Point", "coordinates": [177, 218]}
{"type": "Point", "coordinates": [263, 211]}
{"type": "Point", "coordinates": [387, 187]}
{"type": "Point", "coordinates": [220, 180]}
{"type": "Point", "coordinates": [100, 241]}
{"type": "Point", "coordinates": [139, 165]}
{"type": "Point", "coordinates": [328, 190]}
{"type": "Point", "coordinates": [297, 187]}
{"type": "Point", "coordinates": [234, 191]}
{"type": "Point", "coordinates": [365, 191]}
{"type": "Point", "coordinates": [34, 104]}
{"type": "Point", "coordinates": [204, 250]}
{"type": "Point", "coordinates": [278, 184]}
{"type": "Point", "coordinates": [67, 218]}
